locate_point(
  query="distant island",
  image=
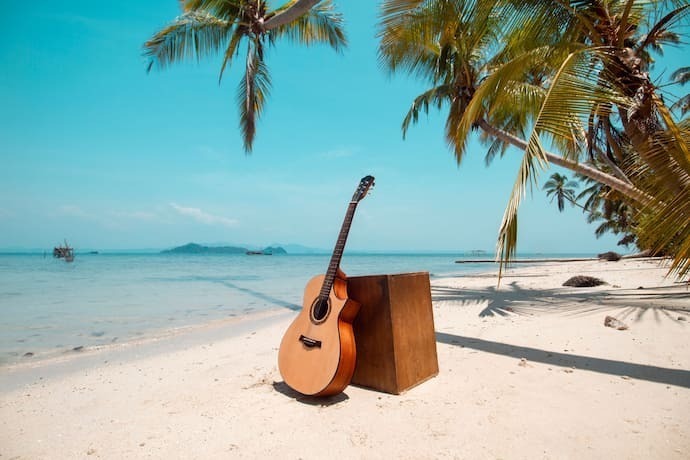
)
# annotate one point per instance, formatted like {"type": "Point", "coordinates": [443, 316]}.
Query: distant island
{"type": "Point", "coordinates": [193, 248]}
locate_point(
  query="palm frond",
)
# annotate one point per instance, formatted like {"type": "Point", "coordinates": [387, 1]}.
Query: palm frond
{"type": "Point", "coordinates": [593, 194]}
{"type": "Point", "coordinates": [569, 94]}
{"type": "Point", "coordinates": [535, 23]}
{"type": "Point", "coordinates": [252, 92]}
{"type": "Point", "coordinates": [514, 110]}
{"type": "Point", "coordinates": [395, 12]}
{"type": "Point", "coordinates": [555, 189]}
{"type": "Point", "coordinates": [508, 232]}
{"type": "Point", "coordinates": [681, 75]}
{"type": "Point", "coordinates": [435, 96]}
{"type": "Point", "coordinates": [288, 13]}
{"type": "Point", "coordinates": [496, 92]}
{"type": "Point", "coordinates": [576, 91]}
{"type": "Point", "coordinates": [669, 219]}
{"type": "Point", "coordinates": [408, 36]}
{"type": "Point", "coordinates": [194, 34]}
{"type": "Point", "coordinates": [228, 10]}
{"type": "Point", "coordinates": [675, 140]}
{"type": "Point", "coordinates": [496, 148]}
{"type": "Point", "coordinates": [682, 105]}
{"type": "Point", "coordinates": [660, 31]}
{"type": "Point", "coordinates": [231, 50]}
{"type": "Point", "coordinates": [321, 24]}
{"type": "Point", "coordinates": [456, 138]}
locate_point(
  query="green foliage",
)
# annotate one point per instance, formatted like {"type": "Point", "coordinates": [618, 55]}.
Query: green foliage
{"type": "Point", "coordinates": [207, 27]}
{"type": "Point", "coordinates": [660, 243]}
{"type": "Point", "coordinates": [322, 24]}
{"type": "Point", "coordinates": [560, 188]}
{"type": "Point", "coordinates": [681, 76]}
{"type": "Point", "coordinates": [192, 35]}
{"type": "Point", "coordinates": [569, 74]}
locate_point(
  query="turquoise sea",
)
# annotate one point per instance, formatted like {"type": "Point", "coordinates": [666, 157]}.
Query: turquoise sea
{"type": "Point", "coordinates": [48, 306]}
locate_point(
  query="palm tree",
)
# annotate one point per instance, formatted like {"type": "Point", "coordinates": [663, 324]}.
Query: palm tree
{"type": "Point", "coordinates": [453, 45]}
{"type": "Point", "coordinates": [572, 73]}
{"type": "Point", "coordinates": [613, 214]}
{"type": "Point", "coordinates": [681, 76]}
{"type": "Point", "coordinates": [616, 217]}
{"type": "Point", "coordinates": [561, 188]}
{"type": "Point", "coordinates": [602, 87]}
{"type": "Point", "coordinates": [207, 27]}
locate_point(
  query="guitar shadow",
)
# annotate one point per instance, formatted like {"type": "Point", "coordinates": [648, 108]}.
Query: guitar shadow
{"type": "Point", "coordinates": [325, 401]}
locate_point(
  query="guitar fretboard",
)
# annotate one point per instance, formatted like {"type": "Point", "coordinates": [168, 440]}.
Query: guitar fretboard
{"type": "Point", "coordinates": [338, 251]}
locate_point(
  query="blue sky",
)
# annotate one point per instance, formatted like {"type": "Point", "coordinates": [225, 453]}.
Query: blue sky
{"type": "Point", "coordinates": [96, 151]}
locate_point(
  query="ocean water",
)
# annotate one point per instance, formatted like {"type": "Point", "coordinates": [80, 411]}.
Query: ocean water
{"type": "Point", "coordinates": [49, 307]}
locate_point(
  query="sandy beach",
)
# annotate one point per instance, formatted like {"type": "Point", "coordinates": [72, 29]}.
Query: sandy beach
{"type": "Point", "coordinates": [527, 370]}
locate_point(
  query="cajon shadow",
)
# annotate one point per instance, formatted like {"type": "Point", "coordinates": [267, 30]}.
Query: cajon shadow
{"type": "Point", "coordinates": [325, 401]}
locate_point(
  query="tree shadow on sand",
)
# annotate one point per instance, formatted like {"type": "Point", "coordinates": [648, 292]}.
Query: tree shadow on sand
{"type": "Point", "coordinates": [633, 304]}
{"type": "Point", "coordinates": [677, 377]}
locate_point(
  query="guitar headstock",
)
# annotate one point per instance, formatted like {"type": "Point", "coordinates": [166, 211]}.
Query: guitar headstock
{"type": "Point", "coordinates": [364, 185]}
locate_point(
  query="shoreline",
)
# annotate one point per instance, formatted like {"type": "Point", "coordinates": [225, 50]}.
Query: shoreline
{"type": "Point", "coordinates": [90, 337]}
{"type": "Point", "coordinates": [102, 300]}
{"type": "Point", "coordinates": [17, 374]}
{"type": "Point", "coordinates": [36, 356]}
{"type": "Point", "coordinates": [527, 370]}
{"type": "Point", "coordinates": [528, 260]}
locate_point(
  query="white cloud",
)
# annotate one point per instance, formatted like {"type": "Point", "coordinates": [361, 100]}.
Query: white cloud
{"type": "Point", "coordinates": [203, 217]}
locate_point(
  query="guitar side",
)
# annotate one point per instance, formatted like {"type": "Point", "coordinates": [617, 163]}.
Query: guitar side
{"type": "Point", "coordinates": [318, 358]}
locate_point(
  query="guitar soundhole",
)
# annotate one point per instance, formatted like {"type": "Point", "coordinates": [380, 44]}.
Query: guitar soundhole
{"type": "Point", "coordinates": [320, 309]}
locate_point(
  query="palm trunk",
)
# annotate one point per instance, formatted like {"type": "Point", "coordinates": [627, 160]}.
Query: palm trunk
{"type": "Point", "coordinates": [626, 189]}
{"type": "Point", "coordinates": [298, 9]}
{"type": "Point", "coordinates": [575, 203]}
{"type": "Point", "coordinates": [609, 162]}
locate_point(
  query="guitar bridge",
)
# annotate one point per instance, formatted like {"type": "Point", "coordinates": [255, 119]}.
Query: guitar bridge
{"type": "Point", "coordinates": [309, 343]}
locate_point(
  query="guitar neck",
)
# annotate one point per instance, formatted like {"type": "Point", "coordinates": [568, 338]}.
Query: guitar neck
{"type": "Point", "coordinates": [338, 250]}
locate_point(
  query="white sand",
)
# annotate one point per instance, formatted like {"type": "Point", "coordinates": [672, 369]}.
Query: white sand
{"type": "Point", "coordinates": [527, 370]}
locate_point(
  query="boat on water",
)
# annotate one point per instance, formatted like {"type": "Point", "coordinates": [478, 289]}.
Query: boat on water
{"type": "Point", "coordinates": [64, 252]}
{"type": "Point", "coordinates": [259, 253]}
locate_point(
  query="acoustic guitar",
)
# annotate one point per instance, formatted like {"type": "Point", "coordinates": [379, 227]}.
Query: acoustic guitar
{"type": "Point", "coordinates": [317, 354]}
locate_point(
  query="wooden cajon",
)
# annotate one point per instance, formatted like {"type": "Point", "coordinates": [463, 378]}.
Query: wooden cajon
{"type": "Point", "coordinates": [394, 331]}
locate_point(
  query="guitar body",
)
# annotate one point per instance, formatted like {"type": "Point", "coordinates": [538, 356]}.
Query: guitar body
{"type": "Point", "coordinates": [317, 356]}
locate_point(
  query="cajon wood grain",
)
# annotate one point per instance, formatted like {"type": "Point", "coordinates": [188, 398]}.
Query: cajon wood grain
{"type": "Point", "coordinates": [394, 331]}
